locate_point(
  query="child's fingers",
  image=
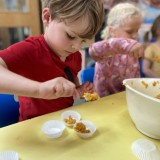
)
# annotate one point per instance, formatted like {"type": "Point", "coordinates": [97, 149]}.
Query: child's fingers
{"type": "Point", "coordinates": [137, 51]}
{"type": "Point", "coordinates": [86, 83]}
{"type": "Point", "coordinates": [76, 94]}
{"type": "Point", "coordinates": [141, 52]}
{"type": "Point", "coordinates": [88, 87]}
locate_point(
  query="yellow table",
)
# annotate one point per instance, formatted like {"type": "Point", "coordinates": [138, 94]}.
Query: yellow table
{"type": "Point", "coordinates": [112, 140]}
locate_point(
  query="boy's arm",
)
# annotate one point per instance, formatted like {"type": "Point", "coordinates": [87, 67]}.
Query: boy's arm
{"type": "Point", "coordinates": [100, 51]}
{"type": "Point", "coordinates": [11, 83]}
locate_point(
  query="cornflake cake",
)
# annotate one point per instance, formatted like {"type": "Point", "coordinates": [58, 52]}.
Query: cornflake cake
{"type": "Point", "coordinates": [91, 96]}
{"type": "Point", "coordinates": [70, 120]}
{"type": "Point", "coordinates": [80, 127]}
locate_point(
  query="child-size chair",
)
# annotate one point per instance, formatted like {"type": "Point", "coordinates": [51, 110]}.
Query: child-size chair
{"type": "Point", "coordinates": [87, 74]}
{"type": "Point", "coordinates": [9, 110]}
{"type": "Point", "coordinates": [141, 71]}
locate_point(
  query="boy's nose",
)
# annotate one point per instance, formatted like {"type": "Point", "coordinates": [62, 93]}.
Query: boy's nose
{"type": "Point", "coordinates": [77, 46]}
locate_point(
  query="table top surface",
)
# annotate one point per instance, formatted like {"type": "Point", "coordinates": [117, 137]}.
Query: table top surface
{"type": "Point", "coordinates": [112, 140]}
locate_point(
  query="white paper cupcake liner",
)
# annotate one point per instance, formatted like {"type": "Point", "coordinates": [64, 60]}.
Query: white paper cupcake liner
{"type": "Point", "coordinates": [145, 150]}
{"type": "Point", "coordinates": [9, 155]}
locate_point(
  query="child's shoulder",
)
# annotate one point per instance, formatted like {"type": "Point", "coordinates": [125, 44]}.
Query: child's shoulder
{"type": "Point", "coordinates": [35, 40]}
{"type": "Point", "coordinates": [152, 45]}
{"type": "Point", "coordinates": [113, 42]}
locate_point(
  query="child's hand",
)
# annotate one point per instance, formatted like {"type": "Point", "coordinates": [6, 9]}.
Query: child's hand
{"type": "Point", "coordinates": [56, 88]}
{"type": "Point", "coordinates": [86, 87]}
{"type": "Point", "coordinates": [137, 50]}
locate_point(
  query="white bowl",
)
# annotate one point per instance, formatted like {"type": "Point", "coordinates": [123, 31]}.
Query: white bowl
{"type": "Point", "coordinates": [70, 113]}
{"type": "Point", "coordinates": [89, 126]}
{"type": "Point", "coordinates": [53, 128]}
{"type": "Point", "coordinates": [143, 107]}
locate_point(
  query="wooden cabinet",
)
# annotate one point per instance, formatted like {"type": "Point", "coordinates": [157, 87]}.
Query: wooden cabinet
{"type": "Point", "coordinates": [18, 20]}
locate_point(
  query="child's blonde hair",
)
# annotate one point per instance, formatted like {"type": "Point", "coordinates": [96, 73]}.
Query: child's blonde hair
{"type": "Point", "coordinates": [75, 9]}
{"type": "Point", "coordinates": [118, 15]}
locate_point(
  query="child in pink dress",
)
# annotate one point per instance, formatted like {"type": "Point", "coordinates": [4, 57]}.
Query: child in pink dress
{"type": "Point", "coordinates": [117, 57]}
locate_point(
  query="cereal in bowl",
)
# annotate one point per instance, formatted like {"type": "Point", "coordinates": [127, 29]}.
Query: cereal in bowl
{"type": "Point", "coordinates": [70, 120]}
{"type": "Point", "coordinates": [70, 117]}
{"type": "Point", "coordinates": [80, 127]}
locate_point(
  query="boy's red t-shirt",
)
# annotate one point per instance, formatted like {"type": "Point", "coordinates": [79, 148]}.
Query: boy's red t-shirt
{"type": "Point", "coordinates": [32, 58]}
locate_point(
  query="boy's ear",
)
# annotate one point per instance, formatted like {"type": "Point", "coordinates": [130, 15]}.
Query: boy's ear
{"type": "Point", "coordinates": [46, 16]}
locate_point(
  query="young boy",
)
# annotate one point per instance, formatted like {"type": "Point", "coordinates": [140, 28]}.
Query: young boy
{"type": "Point", "coordinates": [43, 70]}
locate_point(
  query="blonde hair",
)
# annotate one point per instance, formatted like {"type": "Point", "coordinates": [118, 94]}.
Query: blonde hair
{"type": "Point", "coordinates": [118, 15]}
{"type": "Point", "coordinates": [75, 9]}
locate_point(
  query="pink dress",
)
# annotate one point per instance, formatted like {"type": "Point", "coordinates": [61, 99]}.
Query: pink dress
{"type": "Point", "coordinates": [113, 64]}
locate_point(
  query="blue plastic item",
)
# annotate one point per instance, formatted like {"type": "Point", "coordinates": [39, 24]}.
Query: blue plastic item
{"type": "Point", "coordinates": [87, 74]}
{"type": "Point", "coordinates": [141, 71]}
{"type": "Point", "coordinates": [9, 110]}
